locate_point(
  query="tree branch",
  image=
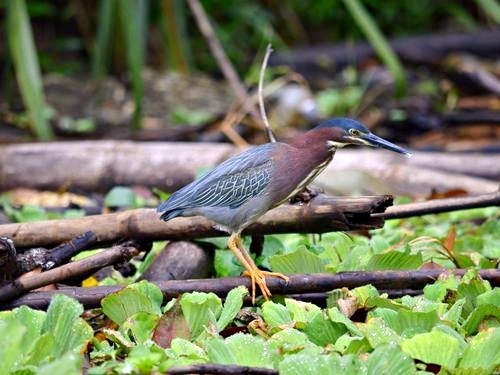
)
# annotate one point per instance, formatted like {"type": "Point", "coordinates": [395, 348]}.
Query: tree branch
{"type": "Point", "coordinates": [322, 214]}
{"type": "Point", "coordinates": [85, 266]}
{"type": "Point", "coordinates": [211, 368]}
{"type": "Point", "coordinates": [298, 284]}
{"type": "Point", "coordinates": [436, 206]}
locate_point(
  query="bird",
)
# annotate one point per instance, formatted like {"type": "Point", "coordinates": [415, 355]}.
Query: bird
{"type": "Point", "coordinates": [244, 187]}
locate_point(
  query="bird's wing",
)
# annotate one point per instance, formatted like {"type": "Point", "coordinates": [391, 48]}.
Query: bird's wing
{"type": "Point", "coordinates": [231, 183]}
{"type": "Point", "coordinates": [234, 189]}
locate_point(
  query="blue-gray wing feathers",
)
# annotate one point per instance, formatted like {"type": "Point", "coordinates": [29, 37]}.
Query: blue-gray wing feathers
{"type": "Point", "coordinates": [230, 184]}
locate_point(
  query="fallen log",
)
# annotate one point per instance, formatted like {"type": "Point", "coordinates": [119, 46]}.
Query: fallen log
{"type": "Point", "coordinates": [320, 215]}
{"type": "Point", "coordinates": [96, 166]}
{"type": "Point", "coordinates": [426, 49]}
{"type": "Point", "coordinates": [298, 284]}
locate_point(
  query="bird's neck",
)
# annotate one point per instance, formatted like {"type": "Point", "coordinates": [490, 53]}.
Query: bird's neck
{"type": "Point", "coordinates": [312, 154]}
{"type": "Point", "coordinates": [315, 145]}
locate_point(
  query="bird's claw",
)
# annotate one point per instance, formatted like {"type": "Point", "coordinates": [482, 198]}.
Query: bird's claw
{"type": "Point", "coordinates": [259, 277]}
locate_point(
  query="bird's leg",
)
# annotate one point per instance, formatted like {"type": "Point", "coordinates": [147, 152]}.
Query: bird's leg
{"type": "Point", "coordinates": [250, 260]}
{"type": "Point", "coordinates": [256, 276]}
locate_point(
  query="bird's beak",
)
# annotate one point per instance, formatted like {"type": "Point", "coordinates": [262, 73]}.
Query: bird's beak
{"type": "Point", "coordinates": [371, 139]}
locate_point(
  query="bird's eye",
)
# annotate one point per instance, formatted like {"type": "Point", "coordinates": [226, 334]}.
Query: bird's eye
{"type": "Point", "coordinates": [354, 132]}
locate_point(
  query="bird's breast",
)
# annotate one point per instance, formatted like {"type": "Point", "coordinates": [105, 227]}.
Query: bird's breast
{"type": "Point", "coordinates": [310, 177]}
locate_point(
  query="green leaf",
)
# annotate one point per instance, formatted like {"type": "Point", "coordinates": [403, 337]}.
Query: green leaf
{"type": "Point", "coordinates": [322, 331]}
{"type": "Point", "coordinates": [183, 347]}
{"type": "Point", "coordinates": [364, 294]}
{"type": "Point", "coordinates": [482, 352]}
{"type": "Point", "coordinates": [337, 317]}
{"type": "Point", "coordinates": [356, 259]}
{"type": "Point", "coordinates": [120, 196]}
{"type": "Point", "coordinates": [11, 351]}
{"type": "Point", "coordinates": [121, 305]}
{"type": "Point", "coordinates": [240, 349]}
{"type": "Point", "coordinates": [185, 116]}
{"type": "Point", "coordinates": [491, 297]}
{"type": "Point", "coordinates": [300, 261]}
{"type": "Point", "coordinates": [377, 332]}
{"type": "Point", "coordinates": [40, 350]}
{"type": "Point", "coordinates": [441, 287]}
{"type": "Point", "coordinates": [141, 325]}
{"type": "Point", "coordinates": [320, 364]}
{"type": "Point", "coordinates": [435, 347]}
{"type": "Point", "coordinates": [69, 363]}
{"type": "Point", "coordinates": [232, 305]}
{"type": "Point", "coordinates": [394, 260]}
{"type": "Point", "coordinates": [219, 352]}
{"type": "Point", "coordinates": [63, 321]}
{"type": "Point", "coordinates": [379, 244]}
{"type": "Point", "coordinates": [144, 359]}
{"type": "Point", "coordinates": [276, 314]}
{"type": "Point", "coordinates": [291, 340]}
{"type": "Point", "coordinates": [302, 312]}
{"type": "Point", "coordinates": [470, 288]}
{"type": "Point", "coordinates": [200, 310]}
{"type": "Point", "coordinates": [225, 264]}
{"type": "Point", "coordinates": [32, 319]}
{"type": "Point", "coordinates": [153, 294]}
{"type": "Point", "coordinates": [408, 323]}
{"type": "Point", "coordinates": [389, 359]}
{"type": "Point", "coordinates": [479, 315]}
{"type": "Point", "coordinates": [454, 313]}
{"type": "Point", "coordinates": [35, 338]}
{"type": "Point", "coordinates": [347, 344]}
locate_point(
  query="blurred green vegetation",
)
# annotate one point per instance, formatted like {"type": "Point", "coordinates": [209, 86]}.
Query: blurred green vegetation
{"type": "Point", "coordinates": [121, 37]}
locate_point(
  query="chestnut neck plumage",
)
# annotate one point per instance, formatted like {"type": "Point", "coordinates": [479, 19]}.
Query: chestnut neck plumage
{"type": "Point", "coordinates": [318, 142]}
{"type": "Point", "coordinates": [312, 154]}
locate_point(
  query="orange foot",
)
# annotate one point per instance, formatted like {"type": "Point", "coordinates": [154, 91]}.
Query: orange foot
{"type": "Point", "coordinates": [259, 277]}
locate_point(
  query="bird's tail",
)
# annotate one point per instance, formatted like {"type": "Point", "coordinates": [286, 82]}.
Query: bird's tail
{"type": "Point", "coordinates": [170, 214]}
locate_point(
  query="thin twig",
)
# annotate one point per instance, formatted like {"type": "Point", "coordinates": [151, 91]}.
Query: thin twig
{"type": "Point", "coordinates": [263, 115]}
{"type": "Point", "coordinates": [436, 206]}
{"type": "Point", "coordinates": [225, 65]}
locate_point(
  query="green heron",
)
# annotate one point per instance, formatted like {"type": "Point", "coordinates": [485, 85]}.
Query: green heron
{"type": "Point", "coordinates": [241, 189]}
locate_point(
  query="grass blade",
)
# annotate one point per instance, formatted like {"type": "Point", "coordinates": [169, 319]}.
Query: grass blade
{"type": "Point", "coordinates": [25, 61]}
{"type": "Point", "coordinates": [377, 40]}
{"type": "Point", "coordinates": [134, 17]}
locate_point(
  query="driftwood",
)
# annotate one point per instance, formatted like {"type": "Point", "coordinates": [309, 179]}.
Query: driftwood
{"type": "Point", "coordinates": [423, 49]}
{"type": "Point", "coordinates": [322, 214]}
{"type": "Point", "coordinates": [88, 265]}
{"type": "Point", "coordinates": [181, 260]}
{"type": "Point", "coordinates": [468, 163]}
{"type": "Point", "coordinates": [100, 165]}
{"type": "Point", "coordinates": [298, 284]}
{"type": "Point", "coordinates": [13, 265]}
{"type": "Point", "coordinates": [419, 175]}
{"type": "Point", "coordinates": [215, 369]}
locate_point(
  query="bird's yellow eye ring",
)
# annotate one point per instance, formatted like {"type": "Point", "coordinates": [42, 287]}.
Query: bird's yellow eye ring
{"type": "Point", "coordinates": [354, 132]}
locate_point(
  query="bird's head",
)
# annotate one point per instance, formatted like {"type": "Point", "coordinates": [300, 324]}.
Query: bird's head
{"type": "Point", "coordinates": [346, 131]}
